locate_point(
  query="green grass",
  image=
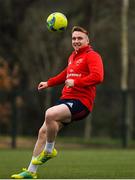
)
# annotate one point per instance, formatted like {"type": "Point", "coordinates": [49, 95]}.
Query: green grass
{"type": "Point", "coordinates": [71, 164]}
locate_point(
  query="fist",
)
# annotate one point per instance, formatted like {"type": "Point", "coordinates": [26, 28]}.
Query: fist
{"type": "Point", "coordinates": [69, 82]}
{"type": "Point", "coordinates": [42, 85]}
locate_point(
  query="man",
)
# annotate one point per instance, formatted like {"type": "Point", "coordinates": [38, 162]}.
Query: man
{"type": "Point", "coordinates": [83, 73]}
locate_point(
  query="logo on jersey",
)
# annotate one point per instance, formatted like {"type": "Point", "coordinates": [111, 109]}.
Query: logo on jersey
{"type": "Point", "coordinates": [71, 70]}
{"type": "Point", "coordinates": [70, 104]}
{"type": "Point", "coordinates": [73, 75]}
{"type": "Point", "coordinates": [79, 61]}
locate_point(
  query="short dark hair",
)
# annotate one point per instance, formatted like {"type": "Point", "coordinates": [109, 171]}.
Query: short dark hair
{"type": "Point", "coordinates": [81, 29]}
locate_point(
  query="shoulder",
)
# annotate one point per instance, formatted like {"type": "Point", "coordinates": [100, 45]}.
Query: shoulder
{"type": "Point", "coordinates": [70, 58]}
{"type": "Point", "coordinates": [93, 53]}
{"type": "Point", "coordinates": [71, 54]}
{"type": "Point", "coordinates": [93, 56]}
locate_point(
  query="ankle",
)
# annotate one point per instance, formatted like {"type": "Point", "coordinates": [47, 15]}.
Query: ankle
{"type": "Point", "coordinates": [32, 168]}
{"type": "Point", "coordinates": [49, 146]}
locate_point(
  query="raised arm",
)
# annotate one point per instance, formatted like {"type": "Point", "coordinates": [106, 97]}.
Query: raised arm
{"type": "Point", "coordinates": [56, 80]}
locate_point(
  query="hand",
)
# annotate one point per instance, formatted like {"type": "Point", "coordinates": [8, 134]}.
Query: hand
{"type": "Point", "coordinates": [69, 82]}
{"type": "Point", "coordinates": [42, 85]}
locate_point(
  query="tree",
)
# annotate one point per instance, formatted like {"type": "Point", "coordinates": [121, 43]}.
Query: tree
{"type": "Point", "coordinates": [127, 98]}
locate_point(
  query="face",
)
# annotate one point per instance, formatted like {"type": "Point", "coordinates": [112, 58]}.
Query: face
{"type": "Point", "coordinates": [79, 40]}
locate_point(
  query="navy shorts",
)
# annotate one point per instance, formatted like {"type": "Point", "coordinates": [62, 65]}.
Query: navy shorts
{"type": "Point", "coordinates": [77, 109]}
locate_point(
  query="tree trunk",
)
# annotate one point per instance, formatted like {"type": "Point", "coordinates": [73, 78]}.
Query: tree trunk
{"type": "Point", "coordinates": [124, 45]}
{"type": "Point", "coordinates": [88, 21]}
{"type": "Point", "coordinates": [87, 131]}
{"type": "Point", "coordinates": [126, 121]}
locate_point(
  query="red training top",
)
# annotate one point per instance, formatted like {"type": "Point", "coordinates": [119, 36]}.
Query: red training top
{"type": "Point", "coordinates": [85, 67]}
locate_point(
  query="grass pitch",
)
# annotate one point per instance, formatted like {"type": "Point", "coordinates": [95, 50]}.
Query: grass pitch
{"type": "Point", "coordinates": [73, 164]}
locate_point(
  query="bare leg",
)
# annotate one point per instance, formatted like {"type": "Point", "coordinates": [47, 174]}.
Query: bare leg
{"type": "Point", "coordinates": [39, 146]}
{"type": "Point", "coordinates": [53, 123]}
{"type": "Point", "coordinates": [52, 130]}
{"type": "Point", "coordinates": [55, 116]}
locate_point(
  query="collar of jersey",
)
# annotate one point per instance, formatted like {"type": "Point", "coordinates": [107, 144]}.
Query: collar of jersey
{"type": "Point", "coordinates": [83, 49]}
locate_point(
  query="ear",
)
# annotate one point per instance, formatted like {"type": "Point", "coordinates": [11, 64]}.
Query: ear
{"type": "Point", "coordinates": [88, 40]}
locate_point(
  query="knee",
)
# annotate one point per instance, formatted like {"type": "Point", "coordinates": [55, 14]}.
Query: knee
{"type": "Point", "coordinates": [50, 116]}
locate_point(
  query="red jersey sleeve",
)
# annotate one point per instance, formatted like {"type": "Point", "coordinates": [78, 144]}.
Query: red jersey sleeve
{"type": "Point", "coordinates": [96, 71]}
{"type": "Point", "coordinates": [59, 79]}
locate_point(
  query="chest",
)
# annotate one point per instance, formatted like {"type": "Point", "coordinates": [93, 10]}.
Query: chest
{"type": "Point", "coordinates": [78, 64]}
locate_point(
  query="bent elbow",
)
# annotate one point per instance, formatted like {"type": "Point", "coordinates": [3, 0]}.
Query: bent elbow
{"type": "Point", "coordinates": [100, 78]}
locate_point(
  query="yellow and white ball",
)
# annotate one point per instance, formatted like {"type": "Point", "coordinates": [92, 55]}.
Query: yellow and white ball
{"type": "Point", "coordinates": [57, 22]}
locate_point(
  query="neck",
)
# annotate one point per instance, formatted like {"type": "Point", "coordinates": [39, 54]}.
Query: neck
{"type": "Point", "coordinates": [81, 48]}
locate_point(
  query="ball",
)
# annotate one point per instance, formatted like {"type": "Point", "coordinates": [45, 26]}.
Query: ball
{"type": "Point", "coordinates": [57, 22]}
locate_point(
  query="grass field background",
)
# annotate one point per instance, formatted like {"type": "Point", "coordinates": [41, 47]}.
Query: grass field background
{"type": "Point", "coordinates": [71, 164]}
